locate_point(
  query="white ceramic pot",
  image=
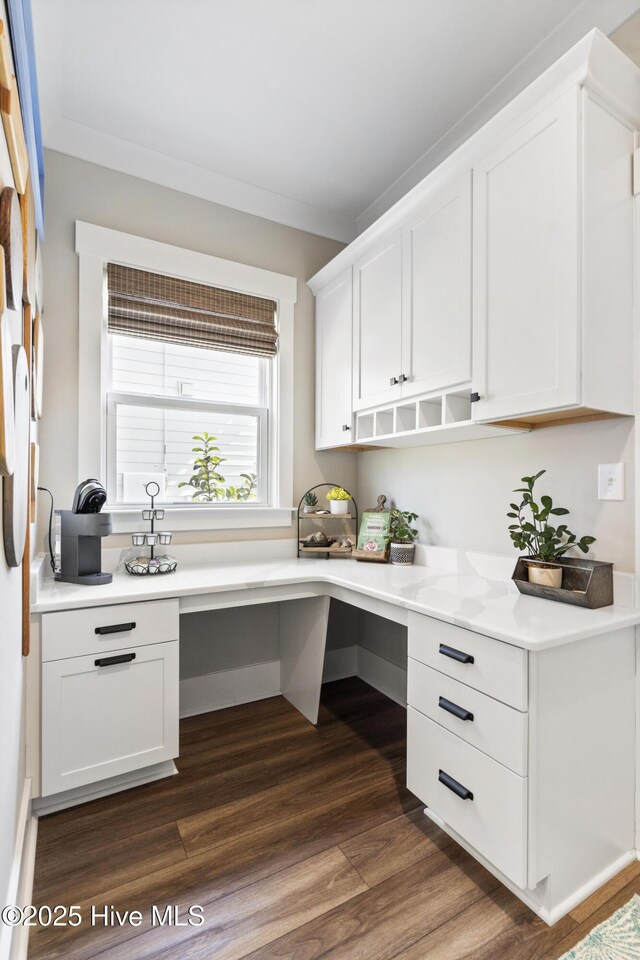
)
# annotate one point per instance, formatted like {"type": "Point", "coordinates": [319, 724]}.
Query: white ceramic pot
{"type": "Point", "coordinates": [339, 506]}
{"type": "Point", "coordinates": [402, 554]}
{"type": "Point", "coordinates": [544, 574]}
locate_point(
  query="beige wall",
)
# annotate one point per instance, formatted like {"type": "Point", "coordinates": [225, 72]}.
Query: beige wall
{"type": "Point", "coordinates": [462, 491]}
{"type": "Point", "coordinates": [82, 191]}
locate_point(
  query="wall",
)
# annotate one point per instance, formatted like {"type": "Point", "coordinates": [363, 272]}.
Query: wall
{"type": "Point", "coordinates": [82, 191]}
{"type": "Point", "coordinates": [462, 491]}
{"type": "Point", "coordinates": [12, 677]}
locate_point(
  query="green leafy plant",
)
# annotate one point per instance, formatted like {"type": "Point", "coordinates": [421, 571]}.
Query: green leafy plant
{"type": "Point", "coordinates": [310, 499]}
{"type": "Point", "coordinates": [536, 536]}
{"type": "Point", "coordinates": [206, 479]}
{"type": "Point", "coordinates": [338, 493]}
{"type": "Point", "coordinates": [400, 529]}
{"type": "Point", "coordinates": [246, 490]}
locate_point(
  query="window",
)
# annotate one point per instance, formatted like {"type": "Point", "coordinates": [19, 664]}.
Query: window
{"type": "Point", "coordinates": [190, 375]}
{"type": "Point", "coordinates": [157, 368]}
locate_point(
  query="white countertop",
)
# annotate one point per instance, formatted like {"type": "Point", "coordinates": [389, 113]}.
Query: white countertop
{"type": "Point", "coordinates": [490, 606]}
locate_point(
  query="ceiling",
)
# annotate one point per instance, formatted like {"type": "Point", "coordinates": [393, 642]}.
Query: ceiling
{"type": "Point", "coordinates": [314, 113]}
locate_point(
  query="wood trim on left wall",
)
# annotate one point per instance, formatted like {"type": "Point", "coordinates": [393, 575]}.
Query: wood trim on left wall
{"type": "Point", "coordinates": [27, 321]}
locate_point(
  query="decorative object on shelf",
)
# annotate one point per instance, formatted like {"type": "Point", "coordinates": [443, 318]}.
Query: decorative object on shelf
{"type": "Point", "coordinates": [15, 488]}
{"type": "Point", "coordinates": [338, 499]}
{"type": "Point", "coordinates": [7, 431]}
{"type": "Point", "coordinates": [310, 502]}
{"type": "Point", "coordinates": [11, 240]}
{"type": "Point", "coordinates": [373, 536]}
{"type": "Point", "coordinates": [402, 535]}
{"type": "Point", "coordinates": [544, 543]}
{"type": "Point", "coordinates": [140, 566]}
{"type": "Point", "coordinates": [29, 237]}
{"type": "Point", "coordinates": [35, 477]}
{"type": "Point", "coordinates": [14, 132]}
{"type": "Point", "coordinates": [39, 306]}
{"type": "Point", "coordinates": [38, 366]}
{"type": "Point", "coordinates": [318, 542]}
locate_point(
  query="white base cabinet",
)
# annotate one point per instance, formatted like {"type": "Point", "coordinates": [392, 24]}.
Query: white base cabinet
{"type": "Point", "coordinates": [115, 709]}
{"type": "Point", "coordinates": [527, 758]}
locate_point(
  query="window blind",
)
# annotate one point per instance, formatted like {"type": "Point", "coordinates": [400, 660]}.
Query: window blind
{"type": "Point", "coordinates": [151, 306]}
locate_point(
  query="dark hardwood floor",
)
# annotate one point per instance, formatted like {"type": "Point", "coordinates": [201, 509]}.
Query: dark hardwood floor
{"type": "Point", "coordinates": [299, 842]}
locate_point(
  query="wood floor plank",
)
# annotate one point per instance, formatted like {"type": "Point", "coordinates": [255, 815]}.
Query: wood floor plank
{"type": "Point", "coordinates": [580, 930]}
{"type": "Point", "coordinates": [242, 922]}
{"type": "Point", "coordinates": [219, 871]}
{"type": "Point", "coordinates": [391, 916]}
{"type": "Point", "coordinates": [393, 846]}
{"type": "Point", "coordinates": [294, 794]}
{"type": "Point", "coordinates": [85, 871]}
{"type": "Point", "coordinates": [589, 906]}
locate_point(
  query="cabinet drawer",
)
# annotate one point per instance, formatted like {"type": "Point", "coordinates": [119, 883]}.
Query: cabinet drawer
{"type": "Point", "coordinates": [491, 666]}
{"type": "Point", "coordinates": [485, 723]}
{"type": "Point", "coordinates": [102, 720]}
{"type": "Point", "coordinates": [72, 633]}
{"type": "Point", "coordinates": [493, 820]}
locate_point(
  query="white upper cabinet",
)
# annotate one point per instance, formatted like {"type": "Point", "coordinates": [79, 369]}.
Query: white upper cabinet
{"type": "Point", "coordinates": [333, 362]}
{"type": "Point", "coordinates": [506, 277]}
{"type": "Point", "coordinates": [525, 302]}
{"type": "Point", "coordinates": [377, 320]}
{"type": "Point", "coordinates": [436, 302]}
{"type": "Point", "coordinates": [553, 276]}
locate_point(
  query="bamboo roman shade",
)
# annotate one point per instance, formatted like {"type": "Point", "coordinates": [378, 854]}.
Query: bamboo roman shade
{"type": "Point", "coordinates": [155, 307]}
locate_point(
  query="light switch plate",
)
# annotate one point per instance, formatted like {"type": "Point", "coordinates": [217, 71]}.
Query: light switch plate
{"type": "Point", "coordinates": [611, 481]}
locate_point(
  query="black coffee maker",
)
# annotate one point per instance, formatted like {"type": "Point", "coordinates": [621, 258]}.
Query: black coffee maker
{"type": "Point", "coordinates": [81, 530]}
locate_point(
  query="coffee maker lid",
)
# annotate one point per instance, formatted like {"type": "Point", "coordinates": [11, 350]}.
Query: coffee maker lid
{"type": "Point", "coordinates": [90, 497]}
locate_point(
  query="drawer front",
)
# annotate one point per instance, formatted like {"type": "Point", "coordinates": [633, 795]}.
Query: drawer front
{"type": "Point", "coordinates": [493, 820]}
{"type": "Point", "coordinates": [72, 633]}
{"type": "Point", "coordinates": [102, 720]}
{"type": "Point", "coordinates": [485, 723]}
{"type": "Point", "coordinates": [491, 666]}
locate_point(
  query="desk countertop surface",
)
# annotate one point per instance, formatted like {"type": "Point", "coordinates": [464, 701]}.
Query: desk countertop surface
{"type": "Point", "coordinates": [489, 606]}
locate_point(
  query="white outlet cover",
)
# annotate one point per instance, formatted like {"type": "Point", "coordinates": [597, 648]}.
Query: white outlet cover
{"type": "Point", "coordinates": [611, 481]}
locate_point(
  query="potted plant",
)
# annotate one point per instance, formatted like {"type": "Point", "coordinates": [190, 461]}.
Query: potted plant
{"type": "Point", "coordinates": [310, 502]}
{"type": "Point", "coordinates": [338, 499]}
{"type": "Point", "coordinates": [543, 543]}
{"type": "Point", "coordinates": [401, 537]}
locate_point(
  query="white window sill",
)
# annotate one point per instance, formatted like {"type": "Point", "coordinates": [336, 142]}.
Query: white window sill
{"type": "Point", "coordinates": [177, 518]}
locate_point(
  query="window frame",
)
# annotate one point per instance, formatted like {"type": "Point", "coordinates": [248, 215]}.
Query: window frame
{"type": "Point", "coordinates": [96, 246]}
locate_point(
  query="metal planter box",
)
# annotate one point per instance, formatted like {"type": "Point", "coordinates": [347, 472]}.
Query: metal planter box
{"type": "Point", "coordinates": [585, 583]}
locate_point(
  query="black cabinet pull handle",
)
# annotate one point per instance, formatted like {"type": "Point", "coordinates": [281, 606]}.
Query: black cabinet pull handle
{"type": "Point", "coordinates": [474, 397]}
{"type": "Point", "coordinates": [454, 786]}
{"type": "Point", "coordinates": [393, 381]}
{"type": "Point", "coordinates": [110, 661]}
{"type": "Point", "coordinates": [453, 708]}
{"type": "Point", "coordinates": [454, 654]}
{"type": "Point", "coordinates": [345, 426]}
{"type": "Point", "coordinates": [115, 628]}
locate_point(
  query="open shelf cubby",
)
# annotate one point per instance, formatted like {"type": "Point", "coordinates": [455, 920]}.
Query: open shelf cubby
{"type": "Point", "coordinates": [405, 418]}
{"type": "Point", "coordinates": [429, 412]}
{"type": "Point", "coordinates": [384, 423]}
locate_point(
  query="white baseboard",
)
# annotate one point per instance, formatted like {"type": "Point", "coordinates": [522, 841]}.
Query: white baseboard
{"type": "Point", "coordinates": [13, 940]}
{"type": "Point", "coordinates": [92, 791]}
{"type": "Point", "coordinates": [383, 676]}
{"type": "Point", "coordinates": [339, 664]}
{"type": "Point", "coordinates": [226, 688]}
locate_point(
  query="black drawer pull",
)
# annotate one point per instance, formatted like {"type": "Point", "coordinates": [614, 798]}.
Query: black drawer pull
{"type": "Point", "coordinates": [454, 786]}
{"type": "Point", "coordinates": [110, 661]}
{"type": "Point", "coordinates": [453, 708]}
{"type": "Point", "coordinates": [474, 397]}
{"type": "Point", "coordinates": [455, 654]}
{"type": "Point", "coordinates": [115, 628]}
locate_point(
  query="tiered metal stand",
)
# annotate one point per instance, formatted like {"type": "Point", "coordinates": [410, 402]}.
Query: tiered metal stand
{"type": "Point", "coordinates": [331, 549]}
{"type": "Point", "coordinates": [141, 566]}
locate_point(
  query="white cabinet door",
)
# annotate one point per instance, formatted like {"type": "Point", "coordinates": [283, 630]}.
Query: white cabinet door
{"type": "Point", "coordinates": [334, 315]}
{"type": "Point", "coordinates": [436, 302]}
{"type": "Point", "coordinates": [526, 242]}
{"type": "Point", "coordinates": [107, 714]}
{"type": "Point", "coordinates": [377, 296]}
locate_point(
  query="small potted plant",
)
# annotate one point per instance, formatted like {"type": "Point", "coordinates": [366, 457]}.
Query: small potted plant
{"type": "Point", "coordinates": [402, 535]}
{"type": "Point", "coordinates": [310, 502]}
{"type": "Point", "coordinates": [543, 543]}
{"type": "Point", "coordinates": [338, 499]}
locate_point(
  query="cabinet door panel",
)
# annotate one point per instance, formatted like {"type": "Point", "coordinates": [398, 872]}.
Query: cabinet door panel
{"type": "Point", "coordinates": [377, 323]}
{"type": "Point", "coordinates": [334, 362]}
{"type": "Point", "coordinates": [100, 721]}
{"type": "Point", "coordinates": [525, 256]}
{"type": "Point", "coordinates": [436, 314]}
